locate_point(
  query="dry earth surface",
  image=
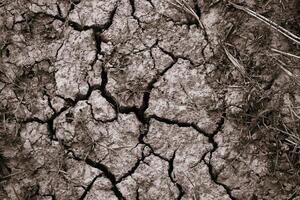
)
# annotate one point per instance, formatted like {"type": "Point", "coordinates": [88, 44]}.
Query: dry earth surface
{"type": "Point", "coordinates": [135, 99]}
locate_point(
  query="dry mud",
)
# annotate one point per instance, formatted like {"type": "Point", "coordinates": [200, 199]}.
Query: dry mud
{"type": "Point", "coordinates": [132, 99]}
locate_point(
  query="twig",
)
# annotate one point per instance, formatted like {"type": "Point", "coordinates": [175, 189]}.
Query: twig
{"type": "Point", "coordinates": [275, 26]}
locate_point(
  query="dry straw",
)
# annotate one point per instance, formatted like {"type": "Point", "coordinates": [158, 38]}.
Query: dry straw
{"type": "Point", "coordinates": [263, 19]}
{"type": "Point", "coordinates": [181, 4]}
{"type": "Point", "coordinates": [285, 53]}
{"type": "Point", "coordinates": [235, 62]}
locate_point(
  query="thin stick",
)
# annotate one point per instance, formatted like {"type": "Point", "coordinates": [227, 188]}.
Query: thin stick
{"type": "Point", "coordinates": [275, 26]}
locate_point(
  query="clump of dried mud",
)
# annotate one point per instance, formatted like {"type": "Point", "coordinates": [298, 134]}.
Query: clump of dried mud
{"type": "Point", "coordinates": [135, 99]}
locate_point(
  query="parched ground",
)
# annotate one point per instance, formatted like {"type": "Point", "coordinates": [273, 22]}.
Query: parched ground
{"type": "Point", "coordinates": [138, 99]}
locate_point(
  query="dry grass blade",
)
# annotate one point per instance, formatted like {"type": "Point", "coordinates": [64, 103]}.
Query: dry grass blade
{"type": "Point", "coordinates": [285, 53]}
{"type": "Point", "coordinates": [11, 175]}
{"type": "Point", "coordinates": [275, 26]}
{"type": "Point", "coordinates": [187, 8]}
{"type": "Point", "coordinates": [294, 112]}
{"type": "Point", "coordinates": [283, 66]}
{"type": "Point", "coordinates": [287, 72]}
{"type": "Point", "coordinates": [292, 138]}
{"type": "Point", "coordinates": [235, 62]}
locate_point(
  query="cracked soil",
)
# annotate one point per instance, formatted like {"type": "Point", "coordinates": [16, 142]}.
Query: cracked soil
{"type": "Point", "coordinates": [134, 99]}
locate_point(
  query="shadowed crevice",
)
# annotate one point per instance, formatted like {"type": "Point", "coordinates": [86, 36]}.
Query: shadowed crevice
{"type": "Point", "coordinates": [89, 187]}
{"type": "Point", "coordinates": [106, 172]}
{"type": "Point", "coordinates": [170, 173]}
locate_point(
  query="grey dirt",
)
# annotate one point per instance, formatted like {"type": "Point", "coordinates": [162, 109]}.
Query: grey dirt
{"type": "Point", "coordinates": [133, 99]}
